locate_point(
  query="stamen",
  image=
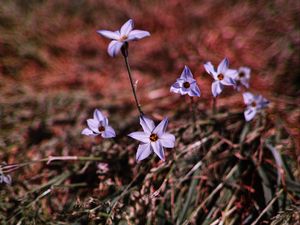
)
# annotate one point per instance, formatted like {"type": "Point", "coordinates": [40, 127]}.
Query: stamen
{"type": "Point", "coordinates": [241, 74]}
{"type": "Point", "coordinates": [101, 128]}
{"type": "Point", "coordinates": [253, 104]}
{"type": "Point", "coordinates": [220, 76]}
{"type": "Point", "coordinates": [153, 137]}
{"type": "Point", "coordinates": [186, 84]}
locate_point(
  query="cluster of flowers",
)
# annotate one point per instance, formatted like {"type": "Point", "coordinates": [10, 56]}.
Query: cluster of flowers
{"type": "Point", "coordinates": [223, 76]}
{"type": "Point", "coordinates": [155, 138]}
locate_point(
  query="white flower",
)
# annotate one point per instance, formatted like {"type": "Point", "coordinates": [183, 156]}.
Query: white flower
{"type": "Point", "coordinates": [219, 76]}
{"type": "Point", "coordinates": [99, 125]}
{"type": "Point", "coordinates": [254, 104]}
{"type": "Point", "coordinates": [241, 76]}
{"type": "Point", "coordinates": [153, 138]}
{"type": "Point", "coordinates": [125, 34]}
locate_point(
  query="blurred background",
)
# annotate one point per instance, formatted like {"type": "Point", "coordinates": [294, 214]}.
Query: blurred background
{"type": "Point", "coordinates": [54, 68]}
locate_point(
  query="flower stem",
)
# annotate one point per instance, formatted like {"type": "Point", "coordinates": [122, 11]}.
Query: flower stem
{"type": "Point", "coordinates": [214, 106]}
{"type": "Point", "coordinates": [48, 160]}
{"type": "Point", "coordinates": [124, 51]}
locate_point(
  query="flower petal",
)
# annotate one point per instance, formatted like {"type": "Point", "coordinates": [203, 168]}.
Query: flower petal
{"type": "Point", "coordinates": [144, 150]}
{"type": "Point", "coordinates": [248, 98]}
{"type": "Point", "coordinates": [228, 81]}
{"type": "Point", "coordinates": [167, 140]}
{"type": "Point", "coordinates": [216, 88]}
{"type": "Point", "coordinates": [127, 27]}
{"type": "Point", "coordinates": [147, 124]}
{"type": "Point", "coordinates": [161, 127]}
{"type": "Point", "coordinates": [114, 48]}
{"type": "Point", "coordinates": [249, 113]}
{"type": "Point", "coordinates": [140, 136]}
{"type": "Point", "coordinates": [186, 73]}
{"type": "Point", "coordinates": [109, 34]}
{"type": "Point", "coordinates": [88, 132]}
{"type": "Point", "coordinates": [158, 149]}
{"type": "Point", "coordinates": [93, 125]}
{"type": "Point", "coordinates": [223, 66]}
{"type": "Point", "coordinates": [137, 35]}
{"type": "Point", "coordinates": [232, 73]}
{"type": "Point", "coordinates": [109, 132]}
{"type": "Point", "coordinates": [98, 115]}
{"type": "Point", "coordinates": [209, 68]}
{"type": "Point", "coordinates": [194, 90]}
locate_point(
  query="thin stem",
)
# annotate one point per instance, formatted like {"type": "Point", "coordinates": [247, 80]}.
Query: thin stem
{"type": "Point", "coordinates": [214, 105]}
{"type": "Point", "coordinates": [193, 109]}
{"type": "Point", "coordinates": [124, 51]}
{"type": "Point", "coordinates": [48, 160]}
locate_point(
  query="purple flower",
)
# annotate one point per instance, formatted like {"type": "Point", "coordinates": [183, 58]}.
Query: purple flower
{"type": "Point", "coordinates": [241, 76]}
{"type": "Point", "coordinates": [254, 104]}
{"type": "Point", "coordinates": [5, 179]}
{"type": "Point", "coordinates": [153, 138]}
{"type": "Point", "coordinates": [99, 125]}
{"type": "Point", "coordinates": [125, 34]}
{"type": "Point", "coordinates": [220, 76]}
{"type": "Point", "coordinates": [186, 84]}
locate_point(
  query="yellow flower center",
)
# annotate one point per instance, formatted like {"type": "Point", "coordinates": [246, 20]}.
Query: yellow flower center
{"type": "Point", "coordinates": [220, 76]}
{"type": "Point", "coordinates": [153, 137]}
{"type": "Point", "coordinates": [186, 84]}
{"type": "Point", "coordinates": [123, 38]}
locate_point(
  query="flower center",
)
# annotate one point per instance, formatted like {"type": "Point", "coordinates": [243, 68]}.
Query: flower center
{"type": "Point", "coordinates": [123, 38]}
{"type": "Point", "coordinates": [153, 137]}
{"type": "Point", "coordinates": [220, 76]}
{"type": "Point", "coordinates": [253, 104]}
{"type": "Point", "coordinates": [186, 84]}
{"type": "Point", "coordinates": [241, 74]}
{"type": "Point", "coordinates": [101, 128]}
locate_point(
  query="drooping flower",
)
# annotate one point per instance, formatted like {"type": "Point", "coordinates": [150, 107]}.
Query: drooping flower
{"type": "Point", "coordinates": [219, 76]}
{"type": "Point", "coordinates": [241, 76]}
{"type": "Point", "coordinates": [125, 34]}
{"type": "Point", "coordinates": [153, 138]}
{"type": "Point", "coordinates": [186, 84]}
{"type": "Point", "coordinates": [99, 125]}
{"type": "Point", "coordinates": [254, 104]}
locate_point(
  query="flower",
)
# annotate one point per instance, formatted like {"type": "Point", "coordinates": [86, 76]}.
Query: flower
{"type": "Point", "coordinates": [186, 84]}
{"type": "Point", "coordinates": [220, 76]}
{"type": "Point", "coordinates": [99, 125]}
{"type": "Point", "coordinates": [125, 34]}
{"type": "Point", "coordinates": [152, 138]}
{"type": "Point", "coordinates": [254, 104]}
{"type": "Point", "coordinates": [5, 179]}
{"type": "Point", "coordinates": [241, 76]}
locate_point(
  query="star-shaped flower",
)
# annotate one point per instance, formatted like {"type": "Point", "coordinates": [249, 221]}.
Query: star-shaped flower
{"type": "Point", "coordinates": [99, 125]}
{"type": "Point", "coordinates": [186, 84]}
{"type": "Point", "coordinates": [254, 104]}
{"type": "Point", "coordinates": [220, 76]}
{"type": "Point", "coordinates": [153, 138]}
{"type": "Point", "coordinates": [241, 76]}
{"type": "Point", "coordinates": [125, 34]}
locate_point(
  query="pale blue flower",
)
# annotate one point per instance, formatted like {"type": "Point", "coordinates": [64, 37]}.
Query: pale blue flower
{"type": "Point", "coordinates": [254, 104]}
{"type": "Point", "coordinates": [186, 84]}
{"type": "Point", "coordinates": [125, 34]}
{"type": "Point", "coordinates": [5, 179]}
{"type": "Point", "coordinates": [241, 76]}
{"type": "Point", "coordinates": [219, 76]}
{"type": "Point", "coordinates": [153, 139]}
{"type": "Point", "coordinates": [99, 125]}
